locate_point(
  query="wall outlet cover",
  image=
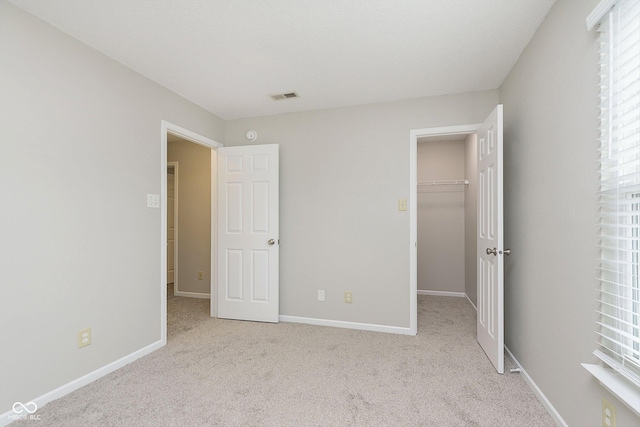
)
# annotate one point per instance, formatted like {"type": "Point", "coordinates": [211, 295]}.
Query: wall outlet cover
{"type": "Point", "coordinates": [84, 337]}
{"type": "Point", "coordinates": [608, 414]}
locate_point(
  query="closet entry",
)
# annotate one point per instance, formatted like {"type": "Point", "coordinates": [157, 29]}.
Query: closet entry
{"type": "Point", "coordinates": [446, 215]}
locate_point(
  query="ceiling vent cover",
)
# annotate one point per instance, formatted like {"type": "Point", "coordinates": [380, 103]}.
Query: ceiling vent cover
{"type": "Point", "coordinates": [281, 96]}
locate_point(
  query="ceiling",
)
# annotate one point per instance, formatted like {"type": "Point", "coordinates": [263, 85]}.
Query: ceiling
{"type": "Point", "coordinates": [229, 55]}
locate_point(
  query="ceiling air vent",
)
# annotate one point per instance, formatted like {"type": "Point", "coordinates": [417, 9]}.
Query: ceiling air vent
{"type": "Point", "coordinates": [280, 96]}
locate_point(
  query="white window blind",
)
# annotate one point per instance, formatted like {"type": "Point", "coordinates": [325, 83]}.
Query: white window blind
{"type": "Point", "coordinates": [619, 195]}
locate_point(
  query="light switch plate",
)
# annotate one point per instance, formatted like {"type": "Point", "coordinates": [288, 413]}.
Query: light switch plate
{"type": "Point", "coordinates": [153, 200]}
{"type": "Point", "coordinates": [348, 297]}
{"type": "Point", "coordinates": [402, 204]}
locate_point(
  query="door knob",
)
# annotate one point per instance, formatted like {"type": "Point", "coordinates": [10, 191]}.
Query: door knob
{"type": "Point", "coordinates": [507, 252]}
{"type": "Point", "coordinates": [271, 242]}
{"type": "Point", "coordinates": [493, 251]}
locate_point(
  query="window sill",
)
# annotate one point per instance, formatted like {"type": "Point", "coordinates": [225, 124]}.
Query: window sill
{"type": "Point", "coordinates": [617, 385]}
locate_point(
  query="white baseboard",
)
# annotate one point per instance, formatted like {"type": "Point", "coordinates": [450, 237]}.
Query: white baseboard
{"type": "Point", "coordinates": [84, 380]}
{"type": "Point", "coordinates": [448, 294]}
{"type": "Point", "coordinates": [192, 294]}
{"type": "Point", "coordinates": [536, 390]}
{"type": "Point", "coordinates": [442, 293]}
{"type": "Point", "coordinates": [347, 325]}
{"type": "Point", "coordinates": [471, 302]}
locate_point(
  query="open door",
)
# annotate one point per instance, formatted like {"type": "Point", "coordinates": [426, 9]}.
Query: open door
{"type": "Point", "coordinates": [248, 233]}
{"type": "Point", "coordinates": [491, 252]}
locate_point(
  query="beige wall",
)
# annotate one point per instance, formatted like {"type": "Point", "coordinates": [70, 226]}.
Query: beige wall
{"type": "Point", "coordinates": [441, 217]}
{"type": "Point", "coordinates": [79, 152]}
{"type": "Point", "coordinates": [194, 215]}
{"type": "Point", "coordinates": [551, 130]}
{"type": "Point", "coordinates": [471, 218]}
{"type": "Point", "coordinates": [341, 175]}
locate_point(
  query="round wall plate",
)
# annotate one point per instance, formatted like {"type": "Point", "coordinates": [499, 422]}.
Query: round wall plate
{"type": "Point", "coordinates": [252, 135]}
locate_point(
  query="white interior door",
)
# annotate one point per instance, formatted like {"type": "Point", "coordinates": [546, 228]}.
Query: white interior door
{"type": "Point", "coordinates": [490, 318]}
{"type": "Point", "coordinates": [248, 233]}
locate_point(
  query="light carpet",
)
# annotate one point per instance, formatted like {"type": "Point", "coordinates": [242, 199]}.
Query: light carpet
{"type": "Point", "coordinates": [230, 373]}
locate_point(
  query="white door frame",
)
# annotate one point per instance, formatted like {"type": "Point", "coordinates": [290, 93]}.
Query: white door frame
{"type": "Point", "coordinates": [413, 208]}
{"type": "Point", "coordinates": [170, 128]}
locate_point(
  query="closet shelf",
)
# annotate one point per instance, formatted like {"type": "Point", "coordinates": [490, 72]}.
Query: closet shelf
{"type": "Point", "coordinates": [442, 185]}
{"type": "Point", "coordinates": [444, 182]}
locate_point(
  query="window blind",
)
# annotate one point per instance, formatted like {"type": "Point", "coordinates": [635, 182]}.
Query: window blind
{"type": "Point", "coordinates": [619, 193]}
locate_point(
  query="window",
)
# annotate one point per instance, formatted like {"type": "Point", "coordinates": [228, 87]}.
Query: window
{"type": "Point", "coordinates": [619, 194]}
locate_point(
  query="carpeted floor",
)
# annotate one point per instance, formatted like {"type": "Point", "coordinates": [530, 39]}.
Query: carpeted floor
{"type": "Point", "coordinates": [231, 373]}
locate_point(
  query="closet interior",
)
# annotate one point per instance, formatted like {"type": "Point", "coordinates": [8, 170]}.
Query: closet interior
{"type": "Point", "coordinates": [447, 211]}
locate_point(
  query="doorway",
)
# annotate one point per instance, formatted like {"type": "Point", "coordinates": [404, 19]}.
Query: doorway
{"type": "Point", "coordinates": [447, 215]}
{"type": "Point", "coordinates": [490, 237]}
{"type": "Point", "coordinates": [169, 131]}
{"type": "Point", "coordinates": [413, 210]}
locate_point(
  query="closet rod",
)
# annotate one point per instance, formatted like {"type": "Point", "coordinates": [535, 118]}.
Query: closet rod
{"type": "Point", "coordinates": [445, 182]}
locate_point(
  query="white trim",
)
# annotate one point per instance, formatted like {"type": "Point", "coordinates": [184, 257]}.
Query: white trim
{"type": "Point", "coordinates": [170, 128]}
{"type": "Point", "coordinates": [86, 379]}
{"type": "Point", "coordinates": [347, 325]}
{"type": "Point", "coordinates": [446, 130]}
{"type": "Point", "coordinates": [536, 390]}
{"type": "Point", "coordinates": [189, 135]}
{"type": "Point", "coordinates": [442, 293]}
{"type": "Point", "coordinates": [163, 231]}
{"type": "Point", "coordinates": [213, 296]}
{"type": "Point", "coordinates": [599, 12]}
{"type": "Point", "coordinates": [471, 302]}
{"type": "Point", "coordinates": [413, 233]}
{"type": "Point", "coordinates": [617, 385]}
{"type": "Point", "coordinates": [414, 134]}
{"type": "Point", "coordinates": [201, 295]}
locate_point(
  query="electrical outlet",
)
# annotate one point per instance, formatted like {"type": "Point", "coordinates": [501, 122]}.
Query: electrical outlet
{"type": "Point", "coordinates": [348, 297]}
{"type": "Point", "coordinates": [200, 275]}
{"type": "Point", "coordinates": [608, 414]}
{"type": "Point", "coordinates": [320, 295]}
{"type": "Point", "coordinates": [402, 204]}
{"type": "Point", "coordinates": [84, 337]}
